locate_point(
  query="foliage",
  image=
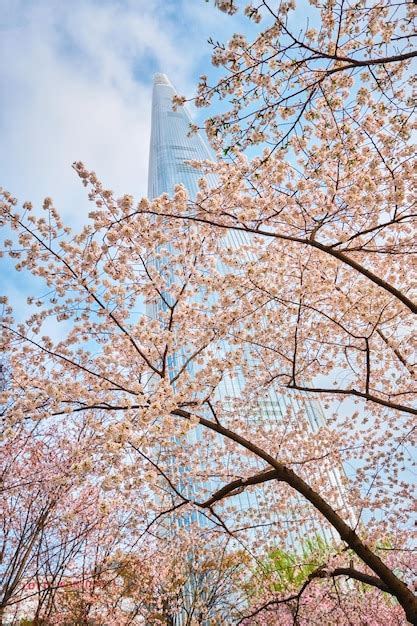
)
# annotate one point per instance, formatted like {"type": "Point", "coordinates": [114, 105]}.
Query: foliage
{"type": "Point", "coordinates": [285, 570]}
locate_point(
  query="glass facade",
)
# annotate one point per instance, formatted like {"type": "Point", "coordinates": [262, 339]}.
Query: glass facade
{"type": "Point", "coordinates": [170, 147]}
{"type": "Point", "coordinates": [170, 144]}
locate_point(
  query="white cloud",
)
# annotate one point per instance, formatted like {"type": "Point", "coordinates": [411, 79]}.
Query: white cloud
{"type": "Point", "coordinates": [77, 78]}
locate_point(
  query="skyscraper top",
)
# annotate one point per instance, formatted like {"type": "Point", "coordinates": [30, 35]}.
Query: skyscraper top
{"type": "Point", "coordinates": [171, 144]}
{"type": "Point", "coordinates": [161, 79]}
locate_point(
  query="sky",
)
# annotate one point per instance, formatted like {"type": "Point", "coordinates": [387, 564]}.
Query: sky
{"type": "Point", "coordinates": [76, 82]}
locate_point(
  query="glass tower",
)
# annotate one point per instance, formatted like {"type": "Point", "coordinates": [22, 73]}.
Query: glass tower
{"type": "Point", "coordinates": [170, 147]}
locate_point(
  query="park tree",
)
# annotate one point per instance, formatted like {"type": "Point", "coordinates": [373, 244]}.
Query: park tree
{"type": "Point", "coordinates": [77, 549]}
{"type": "Point", "coordinates": [306, 587]}
{"type": "Point", "coordinates": [290, 281]}
{"type": "Point", "coordinates": [58, 530]}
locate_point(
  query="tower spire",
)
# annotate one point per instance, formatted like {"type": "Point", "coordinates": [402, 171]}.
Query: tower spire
{"type": "Point", "coordinates": [161, 79]}
{"type": "Point", "coordinates": [171, 146]}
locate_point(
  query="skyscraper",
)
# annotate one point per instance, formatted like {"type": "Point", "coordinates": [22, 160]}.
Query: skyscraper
{"type": "Point", "coordinates": [171, 146]}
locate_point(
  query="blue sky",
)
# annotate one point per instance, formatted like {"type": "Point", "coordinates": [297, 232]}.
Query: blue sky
{"type": "Point", "coordinates": [76, 81]}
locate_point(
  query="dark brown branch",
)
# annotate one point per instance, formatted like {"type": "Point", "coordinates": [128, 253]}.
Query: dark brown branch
{"type": "Point", "coordinates": [307, 242]}
{"type": "Point", "coordinates": [236, 486]}
{"type": "Point", "coordinates": [360, 394]}
{"type": "Point", "coordinates": [318, 573]}
{"type": "Point", "coordinates": [362, 577]}
{"type": "Point", "coordinates": [396, 586]}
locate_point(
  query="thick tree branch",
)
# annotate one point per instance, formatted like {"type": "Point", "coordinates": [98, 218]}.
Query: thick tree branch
{"type": "Point", "coordinates": [396, 586]}
{"type": "Point", "coordinates": [320, 572]}
{"type": "Point", "coordinates": [341, 256]}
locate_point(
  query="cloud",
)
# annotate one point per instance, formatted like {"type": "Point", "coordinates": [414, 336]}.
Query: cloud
{"type": "Point", "coordinates": [78, 82]}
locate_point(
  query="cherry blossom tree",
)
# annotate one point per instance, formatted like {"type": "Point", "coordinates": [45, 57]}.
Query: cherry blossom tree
{"type": "Point", "coordinates": [289, 281]}
{"type": "Point", "coordinates": [50, 510]}
{"type": "Point", "coordinates": [285, 589]}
